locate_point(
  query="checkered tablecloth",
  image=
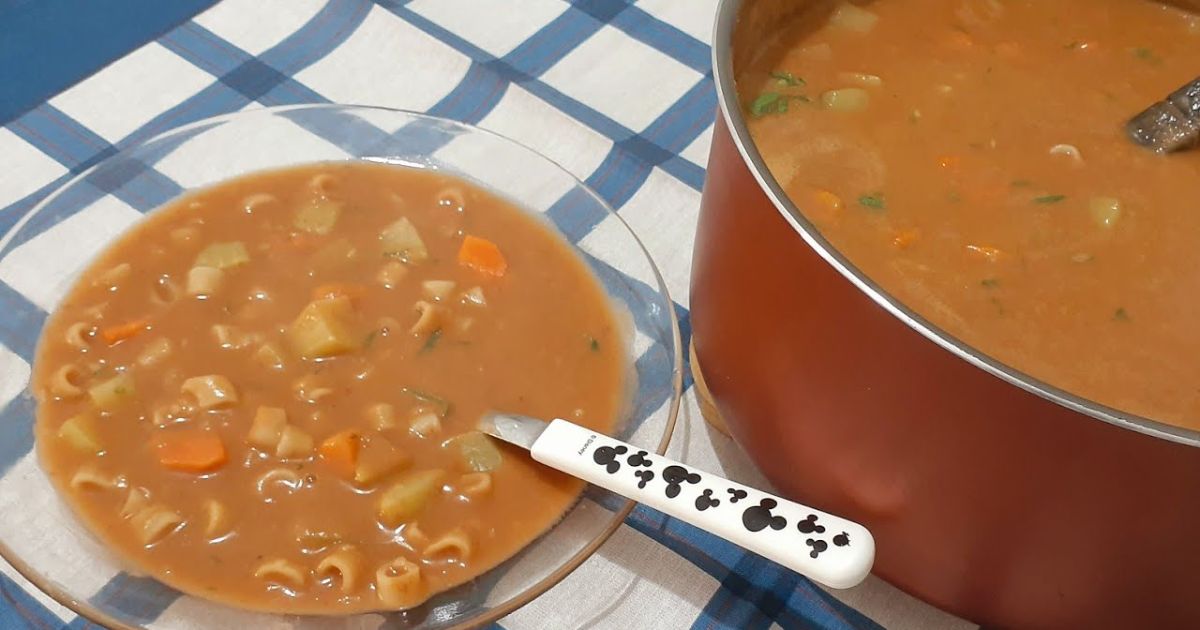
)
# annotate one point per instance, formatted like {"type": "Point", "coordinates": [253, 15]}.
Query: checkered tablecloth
{"type": "Point", "coordinates": [620, 93]}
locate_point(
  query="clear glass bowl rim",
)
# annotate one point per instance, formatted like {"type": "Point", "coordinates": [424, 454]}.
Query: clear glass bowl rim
{"type": "Point", "coordinates": [94, 615]}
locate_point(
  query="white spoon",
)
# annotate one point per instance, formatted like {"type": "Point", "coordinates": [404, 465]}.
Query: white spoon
{"type": "Point", "coordinates": [825, 548]}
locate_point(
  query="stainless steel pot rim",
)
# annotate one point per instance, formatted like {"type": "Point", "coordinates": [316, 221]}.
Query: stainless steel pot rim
{"type": "Point", "coordinates": [722, 59]}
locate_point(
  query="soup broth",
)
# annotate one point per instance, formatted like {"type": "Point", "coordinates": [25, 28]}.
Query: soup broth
{"type": "Point", "coordinates": [970, 157]}
{"type": "Point", "coordinates": [266, 392]}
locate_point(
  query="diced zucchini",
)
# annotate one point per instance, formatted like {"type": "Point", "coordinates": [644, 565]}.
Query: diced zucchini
{"type": "Point", "coordinates": [323, 329]}
{"type": "Point", "coordinates": [377, 458]}
{"type": "Point", "coordinates": [401, 240]}
{"type": "Point", "coordinates": [478, 452]}
{"type": "Point", "coordinates": [223, 255]}
{"type": "Point", "coordinates": [80, 432]}
{"type": "Point", "coordinates": [406, 498]}
{"type": "Point", "coordinates": [317, 217]}
{"type": "Point", "coordinates": [113, 392]}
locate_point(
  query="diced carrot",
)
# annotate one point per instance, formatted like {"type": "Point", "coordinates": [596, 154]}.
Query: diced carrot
{"type": "Point", "coordinates": [114, 334]}
{"type": "Point", "coordinates": [352, 291]}
{"type": "Point", "coordinates": [905, 238]}
{"type": "Point", "coordinates": [191, 450]}
{"type": "Point", "coordinates": [340, 451]}
{"type": "Point", "coordinates": [983, 252]}
{"type": "Point", "coordinates": [482, 255]}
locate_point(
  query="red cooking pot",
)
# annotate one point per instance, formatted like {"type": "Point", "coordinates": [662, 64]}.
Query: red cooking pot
{"type": "Point", "coordinates": [990, 494]}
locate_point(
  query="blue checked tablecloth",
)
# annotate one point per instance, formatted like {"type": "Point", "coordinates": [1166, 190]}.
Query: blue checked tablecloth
{"type": "Point", "coordinates": [618, 92]}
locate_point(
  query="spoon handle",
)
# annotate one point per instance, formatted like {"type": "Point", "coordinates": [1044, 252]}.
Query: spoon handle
{"type": "Point", "coordinates": [825, 548]}
{"type": "Point", "coordinates": [1172, 124]}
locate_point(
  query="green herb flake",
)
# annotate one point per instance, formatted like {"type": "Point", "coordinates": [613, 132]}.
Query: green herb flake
{"type": "Point", "coordinates": [1121, 315]}
{"type": "Point", "coordinates": [593, 343]}
{"type": "Point", "coordinates": [1020, 183]}
{"type": "Point", "coordinates": [1073, 45]}
{"type": "Point", "coordinates": [769, 103]}
{"type": "Point", "coordinates": [1048, 199]}
{"type": "Point", "coordinates": [786, 78]}
{"type": "Point", "coordinates": [370, 339]}
{"type": "Point", "coordinates": [953, 196]}
{"type": "Point", "coordinates": [990, 283]}
{"type": "Point", "coordinates": [1144, 53]}
{"type": "Point", "coordinates": [442, 406]}
{"type": "Point", "coordinates": [431, 342]}
{"type": "Point", "coordinates": [874, 201]}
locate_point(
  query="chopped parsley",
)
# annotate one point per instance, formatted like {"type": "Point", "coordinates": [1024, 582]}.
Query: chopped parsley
{"type": "Point", "coordinates": [1121, 315]}
{"type": "Point", "coordinates": [769, 103]}
{"type": "Point", "coordinates": [1047, 199]}
{"type": "Point", "coordinates": [990, 283]}
{"type": "Point", "coordinates": [874, 201]}
{"type": "Point", "coordinates": [787, 78]}
{"type": "Point", "coordinates": [1021, 183]}
{"type": "Point", "coordinates": [1144, 53]}
{"type": "Point", "coordinates": [593, 343]}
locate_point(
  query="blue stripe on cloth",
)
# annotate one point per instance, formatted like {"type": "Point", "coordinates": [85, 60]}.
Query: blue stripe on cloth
{"type": "Point", "coordinates": [19, 609]}
{"type": "Point", "coordinates": [139, 600]}
{"type": "Point", "coordinates": [684, 48]}
{"type": "Point", "coordinates": [21, 322]}
{"type": "Point", "coordinates": [562, 35]}
{"type": "Point", "coordinates": [754, 592]}
{"type": "Point", "coordinates": [41, 42]}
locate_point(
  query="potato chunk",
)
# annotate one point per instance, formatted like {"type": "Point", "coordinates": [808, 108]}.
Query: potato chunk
{"type": "Point", "coordinates": [324, 329]}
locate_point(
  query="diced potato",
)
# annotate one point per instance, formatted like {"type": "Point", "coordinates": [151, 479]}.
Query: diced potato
{"type": "Point", "coordinates": [204, 281]}
{"type": "Point", "coordinates": [406, 498]}
{"type": "Point", "coordinates": [267, 428]}
{"type": "Point", "coordinates": [269, 356]}
{"type": "Point", "coordinates": [223, 255]}
{"type": "Point", "coordinates": [846, 100]}
{"type": "Point", "coordinates": [323, 329]}
{"type": "Point", "coordinates": [425, 425]}
{"type": "Point", "coordinates": [317, 217]}
{"type": "Point", "coordinates": [377, 458]}
{"type": "Point", "coordinates": [400, 240]}
{"type": "Point", "coordinates": [381, 416]}
{"type": "Point", "coordinates": [438, 289]}
{"type": "Point", "coordinates": [853, 18]}
{"type": "Point", "coordinates": [112, 393]}
{"type": "Point", "coordinates": [80, 432]}
{"type": "Point", "coordinates": [479, 453]}
{"type": "Point", "coordinates": [293, 443]}
{"type": "Point", "coordinates": [391, 274]}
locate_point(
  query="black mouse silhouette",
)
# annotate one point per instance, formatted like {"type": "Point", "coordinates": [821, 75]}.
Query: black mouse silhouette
{"type": "Point", "coordinates": [759, 517]}
{"type": "Point", "coordinates": [809, 525]}
{"type": "Point", "coordinates": [639, 459]}
{"type": "Point", "coordinates": [736, 494]}
{"type": "Point", "coordinates": [644, 477]}
{"type": "Point", "coordinates": [675, 476]}
{"type": "Point", "coordinates": [706, 500]}
{"type": "Point", "coordinates": [842, 539]}
{"type": "Point", "coordinates": [818, 546]}
{"type": "Point", "coordinates": [607, 456]}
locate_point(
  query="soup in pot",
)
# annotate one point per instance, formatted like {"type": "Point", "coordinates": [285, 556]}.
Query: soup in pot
{"type": "Point", "coordinates": [970, 157]}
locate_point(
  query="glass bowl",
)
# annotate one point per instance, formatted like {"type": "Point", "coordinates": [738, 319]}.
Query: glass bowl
{"type": "Point", "coordinates": [47, 247]}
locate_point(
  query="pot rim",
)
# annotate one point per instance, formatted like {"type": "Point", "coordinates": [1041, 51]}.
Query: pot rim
{"type": "Point", "coordinates": [730, 109]}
